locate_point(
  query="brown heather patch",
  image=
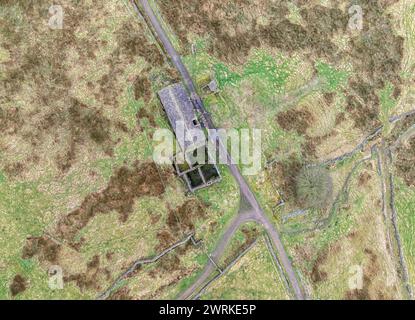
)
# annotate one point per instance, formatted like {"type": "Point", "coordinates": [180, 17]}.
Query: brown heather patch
{"type": "Point", "coordinates": [373, 284]}
{"type": "Point", "coordinates": [369, 291]}
{"type": "Point", "coordinates": [359, 294]}
{"type": "Point", "coordinates": [84, 123]}
{"type": "Point", "coordinates": [165, 239]}
{"type": "Point", "coordinates": [169, 264]}
{"type": "Point", "coordinates": [250, 235]}
{"type": "Point", "coordinates": [121, 294]}
{"type": "Point", "coordinates": [172, 265]}
{"type": "Point", "coordinates": [135, 272]}
{"type": "Point", "coordinates": [109, 256]}
{"type": "Point", "coordinates": [10, 120]}
{"type": "Point", "coordinates": [309, 149]}
{"type": "Point", "coordinates": [124, 188]}
{"type": "Point", "coordinates": [49, 253]}
{"type": "Point", "coordinates": [155, 218]}
{"type": "Point", "coordinates": [55, 65]}
{"type": "Point", "coordinates": [142, 88]}
{"type": "Point", "coordinates": [295, 120]}
{"type": "Point", "coordinates": [180, 220]}
{"type": "Point", "coordinates": [400, 127]}
{"type": "Point", "coordinates": [217, 18]}
{"type": "Point", "coordinates": [43, 61]}
{"type": "Point", "coordinates": [340, 118]}
{"type": "Point", "coordinates": [92, 277]}
{"type": "Point", "coordinates": [144, 114]}
{"type": "Point", "coordinates": [329, 97]}
{"type": "Point", "coordinates": [317, 272]}
{"type": "Point", "coordinates": [13, 170]}
{"type": "Point", "coordinates": [42, 247]}
{"type": "Point", "coordinates": [376, 52]}
{"type": "Point", "coordinates": [377, 55]}
{"type": "Point", "coordinates": [286, 174]}
{"type": "Point", "coordinates": [321, 24]}
{"type": "Point", "coordinates": [18, 285]}
{"type": "Point", "coordinates": [133, 44]}
{"type": "Point", "coordinates": [364, 178]}
{"type": "Point", "coordinates": [235, 29]}
{"type": "Point", "coordinates": [404, 162]}
{"type": "Point", "coordinates": [173, 282]}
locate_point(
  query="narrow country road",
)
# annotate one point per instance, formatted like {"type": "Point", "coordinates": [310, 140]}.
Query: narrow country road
{"type": "Point", "coordinates": [256, 214]}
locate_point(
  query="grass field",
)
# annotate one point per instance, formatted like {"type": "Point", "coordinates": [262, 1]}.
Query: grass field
{"type": "Point", "coordinates": [405, 197]}
{"type": "Point", "coordinates": [78, 110]}
{"type": "Point", "coordinates": [253, 277]}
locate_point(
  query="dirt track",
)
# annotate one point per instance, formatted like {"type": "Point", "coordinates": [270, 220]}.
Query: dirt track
{"type": "Point", "coordinates": [256, 213]}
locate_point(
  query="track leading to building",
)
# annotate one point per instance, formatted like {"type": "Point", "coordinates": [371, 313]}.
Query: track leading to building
{"type": "Point", "coordinates": [246, 192]}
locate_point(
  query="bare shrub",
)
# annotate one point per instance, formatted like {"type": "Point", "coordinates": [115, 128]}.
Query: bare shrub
{"type": "Point", "coordinates": [314, 187]}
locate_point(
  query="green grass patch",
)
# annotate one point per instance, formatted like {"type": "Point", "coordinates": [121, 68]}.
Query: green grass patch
{"type": "Point", "coordinates": [333, 78]}
{"type": "Point", "coordinates": [243, 280]}
{"type": "Point", "coordinates": [405, 199]}
{"type": "Point", "coordinates": [387, 104]}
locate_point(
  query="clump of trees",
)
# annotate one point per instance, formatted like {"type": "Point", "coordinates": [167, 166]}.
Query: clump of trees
{"type": "Point", "coordinates": [314, 187]}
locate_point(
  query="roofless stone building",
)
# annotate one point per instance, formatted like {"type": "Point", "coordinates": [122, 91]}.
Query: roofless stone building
{"type": "Point", "coordinates": [184, 122]}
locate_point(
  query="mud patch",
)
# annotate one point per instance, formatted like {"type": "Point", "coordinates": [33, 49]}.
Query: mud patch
{"type": "Point", "coordinates": [18, 285]}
